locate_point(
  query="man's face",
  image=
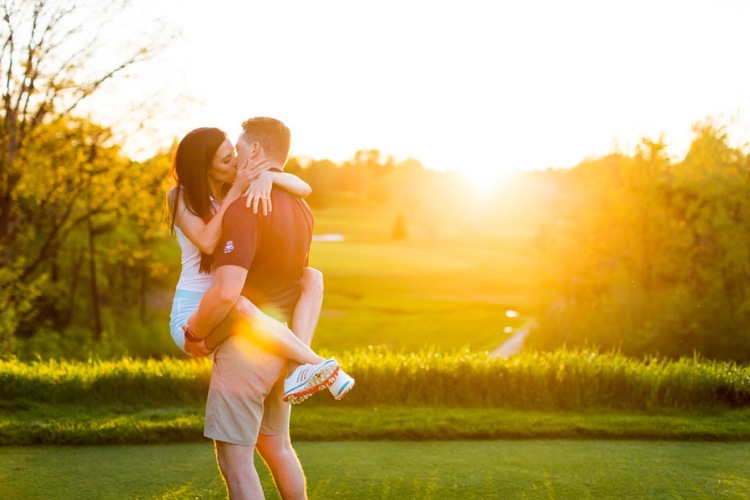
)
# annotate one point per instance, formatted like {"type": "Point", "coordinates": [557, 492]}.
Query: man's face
{"type": "Point", "coordinates": [243, 150]}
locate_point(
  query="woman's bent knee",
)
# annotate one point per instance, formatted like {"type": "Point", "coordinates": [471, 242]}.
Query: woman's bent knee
{"type": "Point", "coordinates": [244, 309]}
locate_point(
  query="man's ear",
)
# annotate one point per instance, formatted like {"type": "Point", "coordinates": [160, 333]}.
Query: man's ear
{"type": "Point", "coordinates": [255, 149]}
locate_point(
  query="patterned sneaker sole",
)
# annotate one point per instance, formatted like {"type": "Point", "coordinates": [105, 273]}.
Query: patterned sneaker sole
{"type": "Point", "coordinates": [321, 381]}
{"type": "Point", "coordinates": [344, 391]}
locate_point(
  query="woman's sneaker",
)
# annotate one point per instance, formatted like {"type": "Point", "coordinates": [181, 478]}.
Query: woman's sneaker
{"type": "Point", "coordinates": [342, 385]}
{"type": "Point", "coordinates": [308, 379]}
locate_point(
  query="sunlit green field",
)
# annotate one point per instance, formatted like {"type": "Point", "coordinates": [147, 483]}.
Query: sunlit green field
{"type": "Point", "coordinates": [423, 295]}
{"type": "Point", "coordinates": [396, 470]}
{"type": "Point", "coordinates": [429, 290]}
{"type": "Point", "coordinates": [419, 292]}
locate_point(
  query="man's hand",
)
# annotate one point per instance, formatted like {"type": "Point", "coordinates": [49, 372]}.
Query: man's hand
{"type": "Point", "coordinates": [197, 349]}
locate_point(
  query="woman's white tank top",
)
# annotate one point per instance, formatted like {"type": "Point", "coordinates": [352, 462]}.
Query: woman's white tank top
{"type": "Point", "coordinates": [191, 278]}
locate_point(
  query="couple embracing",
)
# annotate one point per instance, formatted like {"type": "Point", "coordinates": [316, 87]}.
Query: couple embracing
{"type": "Point", "coordinates": [245, 235]}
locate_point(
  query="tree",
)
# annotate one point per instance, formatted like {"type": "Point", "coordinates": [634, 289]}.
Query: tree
{"type": "Point", "coordinates": [647, 256]}
{"type": "Point", "coordinates": [321, 175]}
{"type": "Point", "coordinates": [55, 54]}
{"type": "Point", "coordinates": [710, 197]}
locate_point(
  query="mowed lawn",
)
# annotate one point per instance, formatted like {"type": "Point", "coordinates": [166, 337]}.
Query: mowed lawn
{"type": "Point", "coordinates": [398, 470]}
{"type": "Point", "coordinates": [420, 292]}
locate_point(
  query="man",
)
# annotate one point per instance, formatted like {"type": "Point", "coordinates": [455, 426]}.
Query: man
{"type": "Point", "coordinates": [262, 257]}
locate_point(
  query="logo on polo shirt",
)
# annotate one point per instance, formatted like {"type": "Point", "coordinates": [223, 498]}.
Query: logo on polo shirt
{"type": "Point", "coordinates": [229, 246]}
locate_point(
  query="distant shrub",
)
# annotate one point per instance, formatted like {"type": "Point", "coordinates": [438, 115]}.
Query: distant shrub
{"type": "Point", "coordinates": [399, 228]}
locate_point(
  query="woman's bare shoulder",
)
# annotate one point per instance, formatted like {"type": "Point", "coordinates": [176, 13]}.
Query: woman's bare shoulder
{"type": "Point", "coordinates": [177, 191]}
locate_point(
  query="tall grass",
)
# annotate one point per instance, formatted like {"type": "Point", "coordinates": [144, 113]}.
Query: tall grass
{"type": "Point", "coordinates": [127, 381]}
{"type": "Point", "coordinates": [561, 380]}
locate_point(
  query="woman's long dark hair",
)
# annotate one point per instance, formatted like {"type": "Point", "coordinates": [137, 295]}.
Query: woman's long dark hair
{"type": "Point", "coordinates": [192, 162]}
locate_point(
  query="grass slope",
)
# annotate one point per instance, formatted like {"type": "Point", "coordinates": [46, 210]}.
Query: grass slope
{"type": "Point", "coordinates": [76, 425]}
{"type": "Point", "coordinates": [396, 470]}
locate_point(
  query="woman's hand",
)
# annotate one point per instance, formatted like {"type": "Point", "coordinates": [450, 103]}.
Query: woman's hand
{"type": "Point", "coordinates": [246, 173]}
{"type": "Point", "coordinates": [259, 191]}
{"type": "Point", "coordinates": [257, 168]}
{"type": "Point", "coordinates": [242, 179]}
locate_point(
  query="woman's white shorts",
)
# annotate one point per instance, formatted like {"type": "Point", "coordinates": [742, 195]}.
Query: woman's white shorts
{"type": "Point", "coordinates": [184, 304]}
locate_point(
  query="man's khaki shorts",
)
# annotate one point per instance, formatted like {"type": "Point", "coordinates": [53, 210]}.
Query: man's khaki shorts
{"type": "Point", "coordinates": [244, 397]}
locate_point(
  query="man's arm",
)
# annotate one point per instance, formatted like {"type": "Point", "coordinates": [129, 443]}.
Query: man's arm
{"type": "Point", "coordinates": [218, 300]}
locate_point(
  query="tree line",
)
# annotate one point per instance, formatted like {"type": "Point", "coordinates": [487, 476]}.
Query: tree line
{"type": "Point", "coordinates": [640, 253]}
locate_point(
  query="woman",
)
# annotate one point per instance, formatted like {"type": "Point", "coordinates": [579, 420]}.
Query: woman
{"type": "Point", "coordinates": [207, 180]}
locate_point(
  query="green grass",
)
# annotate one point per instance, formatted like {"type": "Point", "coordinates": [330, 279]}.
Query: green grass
{"type": "Point", "coordinates": [38, 424]}
{"type": "Point", "coordinates": [422, 292]}
{"type": "Point", "coordinates": [415, 294]}
{"type": "Point", "coordinates": [430, 308]}
{"type": "Point", "coordinates": [396, 470]}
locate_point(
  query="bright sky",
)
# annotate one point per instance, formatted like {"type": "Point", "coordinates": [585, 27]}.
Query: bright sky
{"type": "Point", "coordinates": [476, 85]}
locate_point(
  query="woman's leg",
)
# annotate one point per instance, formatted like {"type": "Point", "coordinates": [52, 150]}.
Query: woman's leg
{"type": "Point", "coordinates": [307, 311]}
{"type": "Point", "coordinates": [247, 319]}
{"type": "Point", "coordinates": [305, 319]}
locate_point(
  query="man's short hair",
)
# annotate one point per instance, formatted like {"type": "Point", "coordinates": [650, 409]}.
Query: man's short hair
{"type": "Point", "coordinates": [271, 134]}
